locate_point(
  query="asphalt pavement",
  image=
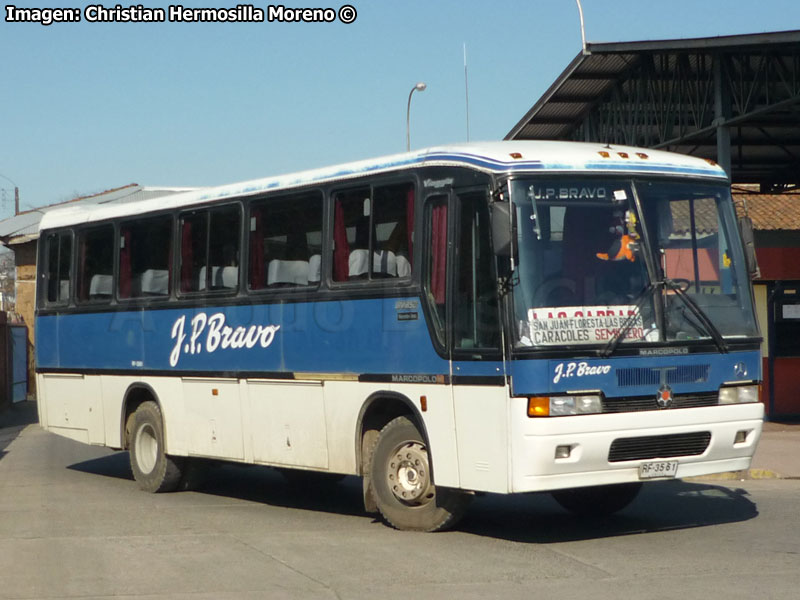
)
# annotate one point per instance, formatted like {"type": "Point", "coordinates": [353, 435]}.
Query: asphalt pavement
{"type": "Point", "coordinates": [72, 526]}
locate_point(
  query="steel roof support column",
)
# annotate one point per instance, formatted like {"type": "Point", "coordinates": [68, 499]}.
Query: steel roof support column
{"type": "Point", "coordinates": [722, 112]}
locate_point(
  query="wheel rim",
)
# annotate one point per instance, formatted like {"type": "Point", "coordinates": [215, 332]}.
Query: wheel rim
{"type": "Point", "coordinates": [408, 474]}
{"type": "Point", "coordinates": [146, 448]}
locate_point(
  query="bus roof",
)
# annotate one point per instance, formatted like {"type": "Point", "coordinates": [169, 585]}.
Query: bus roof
{"type": "Point", "coordinates": [491, 157]}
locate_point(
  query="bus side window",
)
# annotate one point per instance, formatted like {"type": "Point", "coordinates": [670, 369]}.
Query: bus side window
{"type": "Point", "coordinates": [476, 322]}
{"type": "Point", "coordinates": [59, 262]}
{"type": "Point", "coordinates": [373, 233]}
{"type": "Point", "coordinates": [95, 264]}
{"type": "Point", "coordinates": [193, 234]}
{"type": "Point", "coordinates": [285, 242]}
{"type": "Point", "coordinates": [210, 249]}
{"type": "Point", "coordinates": [394, 230]}
{"type": "Point", "coordinates": [223, 248]}
{"type": "Point", "coordinates": [145, 257]}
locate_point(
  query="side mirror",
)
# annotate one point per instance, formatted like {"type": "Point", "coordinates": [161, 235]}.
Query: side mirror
{"type": "Point", "coordinates": [504, 228]}
{"type": "Point", "coordinates": [748, 242]}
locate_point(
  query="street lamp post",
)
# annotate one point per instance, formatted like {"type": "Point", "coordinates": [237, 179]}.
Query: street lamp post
{"type": "Point", "coordinates": [421, 88]}
{"type": "Point", "coordinates": [583, 30]}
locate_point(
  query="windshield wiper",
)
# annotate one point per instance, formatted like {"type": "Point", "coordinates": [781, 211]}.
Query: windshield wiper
{"type": "Point", "coordinates": [698, 312]}
{"type": "Point", "coordinates": [612, 344]}
{"type": "Point", "coordinates": [687, 300]}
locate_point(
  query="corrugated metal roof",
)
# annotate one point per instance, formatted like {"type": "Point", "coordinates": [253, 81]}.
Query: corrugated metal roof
{"type": "Point", "coordinates": [661, 94]}
{"type": "Point", "coordinates": [21, 225]}
{"type": "Point", "coordinates": [24, 227]}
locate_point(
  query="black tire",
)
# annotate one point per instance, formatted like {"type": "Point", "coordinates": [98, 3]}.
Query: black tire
{"type": "Point", "coordinates": [402, 484]}
{"type": "Point", "coordinates": [152, 468]}
{"type": "Point", "coordinates": [598, 501]}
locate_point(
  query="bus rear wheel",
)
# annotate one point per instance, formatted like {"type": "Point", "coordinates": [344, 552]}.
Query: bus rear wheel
{"type": "Point", "coordinates": [152, 468]}
{"type": "Point", "coordinates": [402, 484]}
{"type": "Point", "coordinates": [598, 501]}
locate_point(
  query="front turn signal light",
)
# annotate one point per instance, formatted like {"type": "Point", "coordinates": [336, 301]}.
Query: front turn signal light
{"type": "Point", "coordinates": [562, 406]}
{"type": "Point", "coordinates": [539, 406]}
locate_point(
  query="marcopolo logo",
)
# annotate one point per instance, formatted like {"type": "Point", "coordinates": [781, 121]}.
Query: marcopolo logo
{"type": "Point", "coordinates": [401, 378]}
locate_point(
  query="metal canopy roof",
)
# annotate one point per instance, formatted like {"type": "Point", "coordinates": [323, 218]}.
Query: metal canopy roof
{"type": "Point", "coordinates": [733, 99]}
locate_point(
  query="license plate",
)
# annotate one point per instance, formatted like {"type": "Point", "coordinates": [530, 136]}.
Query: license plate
{"type": "Point", "coordinates": [656, 470]}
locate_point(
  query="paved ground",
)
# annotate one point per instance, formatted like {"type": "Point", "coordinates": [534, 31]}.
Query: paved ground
{"type": "Point", "coordinates": [74, 525]}
{"type": "Point", "coordinates": [778, 453]}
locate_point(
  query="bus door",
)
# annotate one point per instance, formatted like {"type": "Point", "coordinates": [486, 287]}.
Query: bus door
{"type": "Point", "coordinates": [462, 294]}
{"type": "Point", "coordinates": [459, 280]}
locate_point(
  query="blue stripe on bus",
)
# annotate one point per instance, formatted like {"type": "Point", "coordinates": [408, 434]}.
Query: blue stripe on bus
{"type": "Point", "coordinates": [658, 168]}
{"type": "Point", "coordinates": [609, 165]}
{"type": "Point", "coordinates": [353, 336]}
{"type": "Point", "coordinates": [350, 336]}
{"type": "Point", "coordinates": [532, 377]}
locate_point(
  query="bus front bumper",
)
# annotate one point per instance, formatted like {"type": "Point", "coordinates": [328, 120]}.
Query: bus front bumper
{"type": "Point", "coordinates": [567, 452]}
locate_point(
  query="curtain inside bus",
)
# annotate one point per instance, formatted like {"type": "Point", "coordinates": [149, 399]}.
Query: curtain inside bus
{"type": "Point", "coordinates": [439, 253]}
{"type": "Point", "coordinates": [83, 287]}
{"type": "Point", "coordinates": [410, 225]}
{"type": "Point", "coordinates": [341, 249]}
{"type": "Point", "coordinates": [186, 256]}
{"type": "Point", "coordinates": [125, 264]}
{"type": "Point", "coordinates": [257, 274]}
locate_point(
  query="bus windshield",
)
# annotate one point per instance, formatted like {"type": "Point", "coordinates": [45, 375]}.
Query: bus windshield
{"type": "Point", "coordinates": [596, 266]}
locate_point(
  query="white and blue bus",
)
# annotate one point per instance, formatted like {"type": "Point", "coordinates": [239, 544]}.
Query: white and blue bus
{"type": "Point", "coordinates": [504, 317]}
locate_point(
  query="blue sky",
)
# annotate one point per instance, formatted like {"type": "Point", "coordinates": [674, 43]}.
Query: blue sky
{"type": "Point", "coordinates": [87, 107]}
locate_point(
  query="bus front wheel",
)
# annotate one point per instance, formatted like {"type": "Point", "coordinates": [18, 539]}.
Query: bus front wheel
{"type": "Point", "coordinates": [402, 484]}
{"type": "Point", "coordinates": [153, 470]}
{"type": "Point", "coordinates": [598, 501]}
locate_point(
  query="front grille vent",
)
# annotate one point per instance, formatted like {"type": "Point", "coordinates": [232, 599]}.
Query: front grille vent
{"type": "Point", "coordinates": [659, 446]}
{"type": "Point", "coordinates": [642, 403]}
{"type": "Point", "coordinates": [637, 376]}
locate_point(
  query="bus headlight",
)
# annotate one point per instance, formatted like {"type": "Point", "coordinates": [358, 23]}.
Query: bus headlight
{"type": "Point", "coordinates": [738, 394]}
{"type": "Point", "coordinates": [561, 406]}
